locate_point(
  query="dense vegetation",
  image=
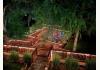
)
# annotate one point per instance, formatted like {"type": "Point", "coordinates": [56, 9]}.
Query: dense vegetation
{"type": "Point", "coordinates": [71, 64]}
{"type": "Point", "coordinates": [91, 64]}
{"type": "Point", "coordinates": [11, 66]}
{"type": "Point", "coordinates": [76, 16]}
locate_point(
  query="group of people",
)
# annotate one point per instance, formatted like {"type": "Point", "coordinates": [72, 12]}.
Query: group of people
{"type": "Point", "coordinates": [57, 35]}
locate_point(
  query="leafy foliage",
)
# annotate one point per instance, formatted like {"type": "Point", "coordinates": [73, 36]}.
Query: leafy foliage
{"type": "Point", "coordinates": [90, 64]}
{"type": "Point", "coordinates": [69, 46]}
{"type": "Point", "coordinates": [70, 15]}
{"type": "Point", "coordinates": [27, 58]}
{"type": "Point", "coordinates": [15, 25]}
{"type": "Point", "coordinates": [13, 56]}
{"type": "Point", "coordinates": [11, 66]}
{"type": "Point", "coordinates": [56, 62]}
{"type": "Point", "coordinates": [71, 64]}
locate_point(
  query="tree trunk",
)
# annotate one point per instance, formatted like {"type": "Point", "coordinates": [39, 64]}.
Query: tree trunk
{"type": "Point", "coordinates": [29, 19]}
{"type": "Point", "coordinates": [4, 24]}
{"type": "Point", "coordinates": [75, 41]}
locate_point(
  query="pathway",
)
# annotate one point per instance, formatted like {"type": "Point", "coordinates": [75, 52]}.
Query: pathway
{"type": "Point", "coordinates": [39, 64]}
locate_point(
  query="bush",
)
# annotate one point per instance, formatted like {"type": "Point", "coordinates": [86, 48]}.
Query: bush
{"type": "Point", "coordinates": [56, 62]}
{"type": "Point", "coordinates": [90, 64]}
{"type": "Point", "coordinates": [15, 25]}
{"type": "Point", "coordinates": [14, 56]}
{"type": "Point", "coordinates": [27, 58]}
{"type": "Point", "coordinates": [71, 64]}
{"type": "Point", "coordinates": [69, 46]}
{"type": "Point", "coordinates": [11, 66]}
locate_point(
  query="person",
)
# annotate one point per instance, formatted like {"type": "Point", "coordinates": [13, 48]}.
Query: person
{"type": "Point", "coordinates": [56, 36]}
{"type": "Point", "coordinates": [62, 34]}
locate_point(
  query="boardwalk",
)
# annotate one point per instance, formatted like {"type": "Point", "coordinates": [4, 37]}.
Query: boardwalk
{"type": "Point", "coordinates": [42, 49]}
{"type": "Point", "coordinates": [39, 64]}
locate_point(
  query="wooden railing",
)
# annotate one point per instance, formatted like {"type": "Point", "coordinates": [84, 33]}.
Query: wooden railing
{"type": "Point", "coordinates": [79, 56]}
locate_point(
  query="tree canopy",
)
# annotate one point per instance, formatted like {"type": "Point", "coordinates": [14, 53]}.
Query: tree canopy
{"type": "Point", "coordinates": [69, 14]}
